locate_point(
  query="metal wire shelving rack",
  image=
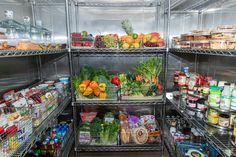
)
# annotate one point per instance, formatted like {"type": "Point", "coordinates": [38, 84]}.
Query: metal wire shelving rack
{"type": "Point", "coordinates": [221, 142]}
{"type": "Point", "coordinates": [25, 53]}
{"type": "Point", "coordinates": [39, 131]}
{"type": "Point", "coordinates": [212, 52]}
{"type": "Point", "coordinates": [101, 52]}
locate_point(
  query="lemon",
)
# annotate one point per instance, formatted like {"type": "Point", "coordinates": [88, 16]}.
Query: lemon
{"type": "Point", "coordinates": [125, 46]}
{"type": "Point", "coordinates": [136, 45]}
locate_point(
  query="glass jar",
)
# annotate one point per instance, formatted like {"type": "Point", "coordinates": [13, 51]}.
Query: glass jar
{"type": "Point", "coordinates": [225, 97]}
{"type": "Point", "coordinates": [176, 77]}
{"type": "Point", "coordinates": [213, 117]}
{"type": "Point", "coordinates": [224, 120]}
{"type": "Point", "coordinates": [192, 102]}
{"type": "Point", "coordinates": [214, 96]}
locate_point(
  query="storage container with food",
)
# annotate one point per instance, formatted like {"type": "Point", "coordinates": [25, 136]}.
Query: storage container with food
{"type": "Point", "coordinates": [200, 44]}
{"type": "Point", "coordinates": [187, 37]}
{"type": "Point", "coordinates": [218, 44]}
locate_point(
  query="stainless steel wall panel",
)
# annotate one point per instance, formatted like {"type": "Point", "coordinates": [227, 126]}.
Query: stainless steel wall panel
{"type": "Point", "coordinates": [16, 72]}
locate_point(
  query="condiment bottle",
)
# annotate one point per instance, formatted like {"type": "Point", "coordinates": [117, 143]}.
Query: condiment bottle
{"type": "Point", "coordinates": [233, 99]}
{"type": "Point", "coordinates": [225, 97]}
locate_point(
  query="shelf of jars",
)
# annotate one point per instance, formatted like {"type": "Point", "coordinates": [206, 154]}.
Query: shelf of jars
{"type": "Point", "coordinates": [220, 139]}
{"type": "Point", "coordinates": [214, 52]}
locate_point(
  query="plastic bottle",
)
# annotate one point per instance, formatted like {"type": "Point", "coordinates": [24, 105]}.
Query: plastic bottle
{"type": "Point", "coordinates": [233, 99]}
{"type": "Point", "coordinates": [225, 97]}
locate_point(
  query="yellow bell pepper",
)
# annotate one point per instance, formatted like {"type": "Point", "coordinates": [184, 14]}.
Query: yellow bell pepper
{"type": "Point", "coordinates": [103, 96]}
{"type": "Point", "coordinates": [102, 87]}
{"type": "Point", "coordinates": [88, 91]}
{"type": "Point", "coordinates": [82, 88]}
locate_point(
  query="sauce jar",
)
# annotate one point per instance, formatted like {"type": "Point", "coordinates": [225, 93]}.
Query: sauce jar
{"type": "Point", "coordinates": [182, 79]}
{"type": "Point", "coordinates": [224, 120]}
{"type": "Point", "coordinates": [176, 77]}
{"type": "Point", "coordinates": [192, 101]}
{"type": "Point", "coordinates": [213, 117]}
{"type": "Point", "coordinates": [183, 92]}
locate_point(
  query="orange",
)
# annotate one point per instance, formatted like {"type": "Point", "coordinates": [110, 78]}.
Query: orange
{"type": "Point", "coordinates": [123, 37]}
{"type": "Point", "coordinates": [129, 39]}
{"type": "Point", "coordinates": [137, 40]}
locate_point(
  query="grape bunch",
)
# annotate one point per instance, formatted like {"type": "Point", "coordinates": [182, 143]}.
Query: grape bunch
{"type": "Point", "coordinates": [109, 41]}
{"type": "Point", "coordinates": [99, 43]}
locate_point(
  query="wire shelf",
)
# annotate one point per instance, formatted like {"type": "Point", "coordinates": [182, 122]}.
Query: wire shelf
{"type": "Point", "coordinates": [21, 53]}
{"type": "Point", "coordinates": [89, 148]}
{"type": "Point", "coordinates": [117, 103]}
{"type": "Point", "coordinates": [219, 139]}
{"type": "Point", "coordinates": [117, 52]}
{"type": "Point", "coordinates": [49, 121]}
{"type": "Point", "coordinates": [126, 4]}
{"type": "Point", "coordinates": [231, 53]}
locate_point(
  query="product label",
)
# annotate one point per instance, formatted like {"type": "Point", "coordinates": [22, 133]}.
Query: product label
{"type": "Point", "coordinates": [182, 80]}
{"type": "Point", "coordinates": [84, 137]}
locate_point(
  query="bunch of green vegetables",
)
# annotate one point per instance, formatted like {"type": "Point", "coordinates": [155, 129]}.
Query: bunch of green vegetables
{"type": "Point", "coordinates": [109, 132]}
{"type": "Point", "coordinates": [145, 79]}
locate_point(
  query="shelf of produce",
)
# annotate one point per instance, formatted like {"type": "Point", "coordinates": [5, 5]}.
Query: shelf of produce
{"type": "Point", "coordinates": [219, 139]}
{"type": "Point", "coordinates": [126, 4]}
{"type": "Point", "coordinates": [118, 52]}
{"type": "Point", "coordinates": [37, 132]}
{"type": "Point", "coordinates": [120, 148]}
{"type": "Point", "coordinates": [25, 53]}
{"type": "Point", "coordinates": [231, 53]}
{"type": "Point", "coordinates": [118, 103]}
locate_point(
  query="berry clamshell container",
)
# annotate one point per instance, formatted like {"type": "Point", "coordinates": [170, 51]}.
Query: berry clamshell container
{"type": "Point", "coordinates": [78, 41]}
{"type": "Point", "coordinates": [155, 47]}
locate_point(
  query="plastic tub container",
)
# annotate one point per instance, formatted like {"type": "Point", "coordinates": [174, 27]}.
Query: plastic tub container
{"type": "Point", "coordinates": [187, 37]}
{"type": "Point", "coordinates": [218, 44]}
{"type": "Point", "coordinates": [185, 44]}
{"type": "Point", "coordinates": [204, 44]}
{"type": "Point", "coordinates": [231, 44]}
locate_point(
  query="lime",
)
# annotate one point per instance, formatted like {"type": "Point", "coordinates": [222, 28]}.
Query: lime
{"type": "Point", "coordinates": [135, 36]}
{"type": "Point", "coordinates": [131, 46]}
{"type": "Point", "coordinates": [84, 34]}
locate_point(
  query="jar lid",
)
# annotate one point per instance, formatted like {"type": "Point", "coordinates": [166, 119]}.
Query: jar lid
{"type": "Point", "coordinates": [214, 88]}
{"type": "Point", "coordinates": [227, 84]}
{"type": "Point", "coordinates": [224, 116]}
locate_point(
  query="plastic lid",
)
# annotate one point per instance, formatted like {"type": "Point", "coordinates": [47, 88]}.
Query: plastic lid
{"type": "Point", "coordinates": [11, 129]}
{"type": "Point", "coordinates": [214, 88]}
